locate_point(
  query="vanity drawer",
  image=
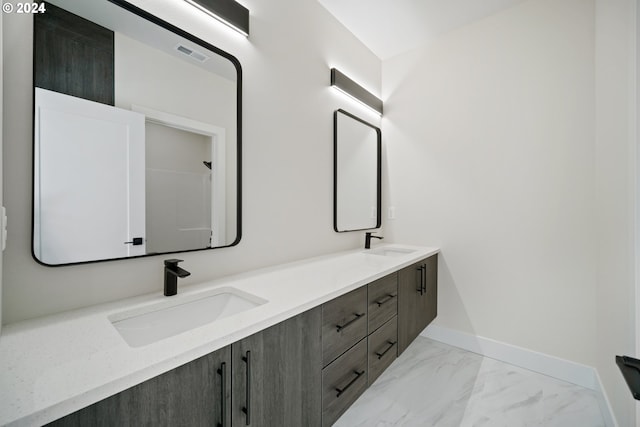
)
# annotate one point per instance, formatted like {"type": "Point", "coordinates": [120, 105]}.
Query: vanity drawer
{"type": "Point", "coordinates": [343, 381]}
{"type": "Point", "coordinates": [344, 323]}
{"type": "Point", "coordinates": [383, 300]}
{"type": "Point", "coordinates": [383, 348]}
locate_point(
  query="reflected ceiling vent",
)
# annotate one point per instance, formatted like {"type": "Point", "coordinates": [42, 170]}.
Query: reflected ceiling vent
{"type": "Point", "coordinates": [194, 54]}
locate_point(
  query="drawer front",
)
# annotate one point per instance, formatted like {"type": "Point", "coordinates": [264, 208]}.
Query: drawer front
{"type": "Point", "coordinates": [343, 381]}
{"type": "Point", "coordinates": [344, 323]}
{"type": "Point", "coordinates": [383, 348]}
{"type": "Point", "coordinates": [383, 300]}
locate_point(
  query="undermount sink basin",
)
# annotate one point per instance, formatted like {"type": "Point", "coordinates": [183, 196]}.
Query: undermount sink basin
{"type": "Point", "coordinates": [389, 251]}
{"type": "Point", "coordinates": [152, 323]}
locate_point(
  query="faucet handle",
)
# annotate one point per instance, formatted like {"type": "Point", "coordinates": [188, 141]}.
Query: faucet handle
{"type": "Point", "coordinates": [172, 262]}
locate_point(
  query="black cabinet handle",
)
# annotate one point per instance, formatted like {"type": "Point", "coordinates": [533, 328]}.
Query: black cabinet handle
{"type": "Point", "coordinates": [358, 315]}
{"type": "Point", "coordinates": [222, 371]}
{"type": "Point", "coordinates": [424, 278]}
{"type": "Point", "coordinates": [391, 344]}
{"type": "Point", "coordinates": [247, 409]}
{"type": "Point", "coordinates": [345, 388]}
{"type": "Point", "coordinates": [421, 288]}
{"type": "Point", "coordinates": [385, 299]}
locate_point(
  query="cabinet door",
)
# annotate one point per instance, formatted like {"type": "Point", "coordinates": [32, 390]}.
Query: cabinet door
{"type": "Point", "coordinates": [417, 299]}
{"type": "Point", "coordinates": [190, 395]}
{"type": "Point", "coordinates": [277, 374]}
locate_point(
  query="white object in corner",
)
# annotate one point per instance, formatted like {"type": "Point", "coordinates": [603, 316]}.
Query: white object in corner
{"type": "Point", "coordinates": [391, 214]}
{"type": "Point", "coordinates": [555, 367]}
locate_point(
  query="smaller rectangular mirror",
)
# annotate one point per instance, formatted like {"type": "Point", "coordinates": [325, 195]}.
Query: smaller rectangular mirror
{"type": "Point", "coordinates": [357, 176]}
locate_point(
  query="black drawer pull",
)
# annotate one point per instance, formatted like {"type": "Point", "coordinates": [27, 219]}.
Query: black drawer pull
{"type": "Point", "coordinates": [358, 315]}
{"type": "Point", "coordinates": [391, 344]}
{"type": "Point", "coordinates": [385, 299]}
{"type": "Point", "coordinates": [424, 278]}
{"type": "Point", "coordinates": [222, 371]}
{"type": "Point", "coordinates": [247, 409]}
{"type": "Point", "coordinates": [421, 288]}
{"type": "Point", "coordinates": [345, 388]}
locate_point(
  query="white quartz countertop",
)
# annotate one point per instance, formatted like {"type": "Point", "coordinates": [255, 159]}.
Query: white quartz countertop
{"type": "Point", "coordinates": [55, 365]}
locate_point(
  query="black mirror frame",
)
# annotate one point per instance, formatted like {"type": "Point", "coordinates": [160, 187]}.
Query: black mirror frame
{"type": "Point", "coordinates": [335, 171]}
{"type": "Point", "coordinates": [188, 36]}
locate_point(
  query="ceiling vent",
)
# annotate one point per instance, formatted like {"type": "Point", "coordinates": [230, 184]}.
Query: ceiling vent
{"type": "Point", "coordinates": [194, 54]}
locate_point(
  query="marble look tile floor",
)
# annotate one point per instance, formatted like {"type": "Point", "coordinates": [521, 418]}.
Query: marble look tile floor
{"type": "Point", "coordinates": [434, 384]}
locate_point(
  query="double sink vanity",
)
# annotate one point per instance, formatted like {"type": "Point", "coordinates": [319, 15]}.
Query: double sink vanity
{"type": "Point", "coordinates": [288, 345]}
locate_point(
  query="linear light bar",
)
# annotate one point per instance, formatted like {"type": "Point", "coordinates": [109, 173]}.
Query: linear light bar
{"type": "Point", "coordinates": [354, 90]}
{"type": "Point", "coordinates": [230, 13]}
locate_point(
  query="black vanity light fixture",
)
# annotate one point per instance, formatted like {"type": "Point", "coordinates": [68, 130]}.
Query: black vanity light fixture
{"type": "Point", "coordinates": [228, 12]}
{"type": "Point", "coordinates": [349, 87]}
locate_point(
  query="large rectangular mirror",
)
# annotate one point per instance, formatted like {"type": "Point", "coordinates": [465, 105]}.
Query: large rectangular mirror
{"type": "Point", "coordinates": [137, 136]}
{"type": "Point", "coordinates": [357, 173]}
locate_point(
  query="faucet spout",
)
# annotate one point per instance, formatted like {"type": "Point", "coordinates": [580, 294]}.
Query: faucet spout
{"type": "Point", "coordinates": [171, 274]}
{"type": "Point", "coordinates": [178, 272]}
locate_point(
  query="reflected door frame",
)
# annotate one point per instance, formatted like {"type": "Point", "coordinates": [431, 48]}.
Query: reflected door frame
{"type": "Point", "coordinates": [217, 136]}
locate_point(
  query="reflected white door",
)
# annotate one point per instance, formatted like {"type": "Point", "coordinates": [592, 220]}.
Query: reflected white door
{"type": "Point", "coordinates": [89, 189]}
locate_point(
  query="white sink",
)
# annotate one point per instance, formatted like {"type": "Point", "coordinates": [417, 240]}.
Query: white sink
{"type": "Point", "coordinates": [389, 251]}
{"type": "Point", "coordinates": [146, 325]}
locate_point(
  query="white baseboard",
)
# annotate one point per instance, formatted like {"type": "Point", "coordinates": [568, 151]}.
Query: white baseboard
{"type": "Point", "coordinates": [562, 369]}
{"type": "Point", "coordinates": [603, 402]}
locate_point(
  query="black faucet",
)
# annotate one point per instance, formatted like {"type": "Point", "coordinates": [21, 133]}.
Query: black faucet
{"type": "Point", "coordinates": [367, 239]}
{"type": "Point", "coordinates": [171, 274]}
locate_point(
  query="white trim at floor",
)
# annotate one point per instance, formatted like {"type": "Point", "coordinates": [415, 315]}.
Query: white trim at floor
{"type": "Point", "coordinates": [562, 369]}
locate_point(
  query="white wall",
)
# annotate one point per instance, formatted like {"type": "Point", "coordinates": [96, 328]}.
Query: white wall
{"type": "Point", "coordinates": [178, 190]}
{"type": "Point", "coordinates": [517, 131]}
{"type": "Point", "coordinates": [490, 149]}
{"type": "Point", "coordinates": [615, 174]}
{"type": "Point", "coordinates": [287, 155]}
{"type": "Point", "coordinates": [199, 94]}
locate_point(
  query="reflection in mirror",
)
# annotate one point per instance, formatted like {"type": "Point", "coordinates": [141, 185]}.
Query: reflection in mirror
{"type": "Point", "coordinates": [357, 173]}
{"type": "Point", "coordinates": [136, 136]}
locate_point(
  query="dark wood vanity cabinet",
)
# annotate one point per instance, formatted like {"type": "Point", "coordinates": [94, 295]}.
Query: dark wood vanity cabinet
{"type": "Point", "coordinates": [417, 299]}
{"type": "Point", "coordinates": [271, 378]}
{"type": "Point", "coordinates": [304, 371]}
{"type": "Point", "coordinates": [277, 374]}
{"type": "Point", "coordinates": [195, 394]}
